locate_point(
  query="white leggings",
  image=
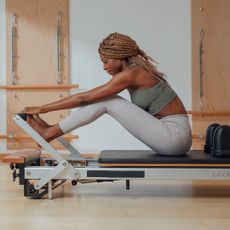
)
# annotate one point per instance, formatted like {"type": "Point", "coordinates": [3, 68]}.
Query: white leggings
{"type": "Point", "coordinates": [170, 135]}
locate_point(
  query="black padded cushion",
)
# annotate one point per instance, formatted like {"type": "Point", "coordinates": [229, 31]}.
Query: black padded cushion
{"type": "Point", "coordinates": [148, 156]}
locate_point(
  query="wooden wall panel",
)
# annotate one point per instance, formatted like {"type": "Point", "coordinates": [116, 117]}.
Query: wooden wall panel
{"type": "Point", "coordinates": [36, 40]}
{"type": "Point", "coordinates": [213, 16]}
{"type": "Point", "coordinates": [16, 101]}
{"type": "Point", "coordinates": [35, 58]}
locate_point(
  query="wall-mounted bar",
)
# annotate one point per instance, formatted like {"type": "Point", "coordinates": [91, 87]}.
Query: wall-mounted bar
{"type": "Point", "coordinates": [200, 69]}
{"type": "Point", "coordinates": [59, 79]}
{"type": "Point", "coordinates": [13, 56]}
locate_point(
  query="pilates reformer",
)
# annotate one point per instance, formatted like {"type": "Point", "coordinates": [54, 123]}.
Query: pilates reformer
{"type": "Point", "coordinates": [40, 176]}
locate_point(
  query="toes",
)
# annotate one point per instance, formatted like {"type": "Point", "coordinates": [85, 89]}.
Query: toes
{"type": "Point", "coordinates": [35, 116]}
{"type": "Point", "coordinates": [32, 122]}
{"type": "Point", "coordinates": [29, 120]}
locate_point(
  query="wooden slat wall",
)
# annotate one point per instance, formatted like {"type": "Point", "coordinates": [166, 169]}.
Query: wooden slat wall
{"type": "Point", "coordinates": [36, 27]}
{"type": "Point", "coordinates": [36, 58]}
{"type": "Point", "coordinates": [214, 17]}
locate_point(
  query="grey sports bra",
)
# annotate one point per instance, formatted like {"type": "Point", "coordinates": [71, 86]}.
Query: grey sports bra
{"type": "Point", "coordinates": [153, 99]}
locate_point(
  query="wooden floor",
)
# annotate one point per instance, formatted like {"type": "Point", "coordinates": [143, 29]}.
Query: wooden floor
{"type": "Point", "coordinates": [158, 205]}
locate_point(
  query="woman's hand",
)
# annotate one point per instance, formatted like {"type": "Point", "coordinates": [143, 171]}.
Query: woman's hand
{"type": "Point", "coordinates": [31, 110]}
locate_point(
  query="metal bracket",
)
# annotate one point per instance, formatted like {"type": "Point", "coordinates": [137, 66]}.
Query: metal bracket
{"type": "Point", "coordinates": [20, 120]}
{"type": "Point", "coordinates": [75, 155]}
{"type": "Point", "coordinates": [60, 168]}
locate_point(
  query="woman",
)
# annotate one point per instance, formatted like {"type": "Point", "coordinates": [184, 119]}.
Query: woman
{"type": "Point", "coordinates": [156, 115]}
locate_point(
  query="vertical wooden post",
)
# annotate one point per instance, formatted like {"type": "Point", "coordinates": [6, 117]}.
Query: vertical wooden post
{"type": "Point", "coordinates": [212, 16]}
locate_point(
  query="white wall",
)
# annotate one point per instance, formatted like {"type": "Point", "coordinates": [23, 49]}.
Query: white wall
{"type": "Point", "coordinates": [160, 27]}
{"type": "Point", "coordinates": [2, 74]}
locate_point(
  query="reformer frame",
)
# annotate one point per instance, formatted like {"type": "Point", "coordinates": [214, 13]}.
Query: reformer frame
{"type": "Point", "coordinates": [76, 167]}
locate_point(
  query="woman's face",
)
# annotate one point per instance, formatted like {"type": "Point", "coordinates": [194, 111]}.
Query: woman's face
{"type": "Point", "coordinates": [112, 66]}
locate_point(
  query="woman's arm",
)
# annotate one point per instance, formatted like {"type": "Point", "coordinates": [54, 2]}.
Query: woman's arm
{"type": "Point", "coordinates": [118, 83]}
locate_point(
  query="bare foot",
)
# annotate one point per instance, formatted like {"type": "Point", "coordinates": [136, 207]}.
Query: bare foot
{"type": "Point", "coordinates": [48, 133]}
{"type": "Point", "coordinates": [40, 121]}
{"type": "Point", "coordinates": [37, 127]}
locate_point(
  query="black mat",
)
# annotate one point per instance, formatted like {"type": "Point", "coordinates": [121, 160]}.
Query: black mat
{"type": "Point", "coordinates": [147, 156]}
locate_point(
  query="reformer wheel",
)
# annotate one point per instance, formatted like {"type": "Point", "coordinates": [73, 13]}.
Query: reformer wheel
{"type": "Point", "coordinates": [74, 182]}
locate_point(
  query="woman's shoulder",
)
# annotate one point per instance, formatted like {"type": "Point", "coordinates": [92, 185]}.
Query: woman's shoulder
{"type": "Point", "coordinates": [141, 78]}
{"type": "Point", "coordinates": [130, 72]}
{"type": "Point", "coordinates": [135, 71]}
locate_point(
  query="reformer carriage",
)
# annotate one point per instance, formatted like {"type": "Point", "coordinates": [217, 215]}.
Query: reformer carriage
{"type": "Point", "coordinates": [40, 176]}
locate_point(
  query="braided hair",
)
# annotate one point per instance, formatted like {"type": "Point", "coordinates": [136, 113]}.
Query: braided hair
{"type": "Point", "coordinates": [119, 46]}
